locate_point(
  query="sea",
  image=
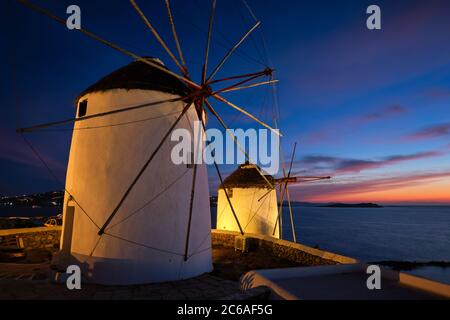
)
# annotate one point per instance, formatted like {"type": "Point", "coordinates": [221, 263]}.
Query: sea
{"type": "Point", "coordinates": [396, 233]}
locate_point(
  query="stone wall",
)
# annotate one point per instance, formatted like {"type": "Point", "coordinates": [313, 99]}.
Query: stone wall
{"type": "Point", "coordinates": [31, 238]}
{"type": "Point", "coordinates": [223, 238]}
{"type": "Point", "coordinates": [281, 248]}
{"type": "Point", "coordinates": [49, 237]}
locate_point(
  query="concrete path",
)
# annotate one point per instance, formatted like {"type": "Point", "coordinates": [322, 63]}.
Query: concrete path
{"type": "Point", "coordinates": [31, 281]}
{"type": "Point", "coordinates": [343, 282]}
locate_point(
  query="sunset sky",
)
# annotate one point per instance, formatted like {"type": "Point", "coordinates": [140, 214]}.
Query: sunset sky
{"type": "Point", "coordinates": [369, 108]}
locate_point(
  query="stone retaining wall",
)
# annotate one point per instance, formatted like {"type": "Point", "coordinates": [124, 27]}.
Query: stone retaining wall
{"type": "Point", "coordinates": [281, 248]}
{"type": "Point", "coordinates": [31, 238]}
{"type": "Point", "coordinates": [49, 237]}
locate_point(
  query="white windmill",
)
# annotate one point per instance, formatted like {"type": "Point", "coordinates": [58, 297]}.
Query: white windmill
{"type": "Point", "coordinates": [130, 215]}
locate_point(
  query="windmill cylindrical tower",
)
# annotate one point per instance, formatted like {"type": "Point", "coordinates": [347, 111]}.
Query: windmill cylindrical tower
{"type": "Point", "coordinates": [253, 201]}
{"type": "Point", "coordinates": [146, 240]}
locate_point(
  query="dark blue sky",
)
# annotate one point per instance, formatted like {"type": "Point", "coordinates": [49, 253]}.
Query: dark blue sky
{"type": "Point", "coordinates": [369, 107]}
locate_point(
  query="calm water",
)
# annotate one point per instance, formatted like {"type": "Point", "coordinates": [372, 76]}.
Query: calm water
{"type": "Point", "coordinates": [368, 234]}
{"type": "Point", "coordinates": [376, 234]}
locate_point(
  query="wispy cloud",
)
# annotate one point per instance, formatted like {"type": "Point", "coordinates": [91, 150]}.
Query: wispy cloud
{"type": "Point", "coordinates": [347, 189]}
{"type": "Point", "coordinates": [434, 131]}
{"type": "Point", "coordinates": [440, 93]}
{"type": "Point", "coordinates": [337, 165]}
{"type": "Point", "coordinates": [384, 113]}
{"type": "Point", "coordinates": [350, 123]}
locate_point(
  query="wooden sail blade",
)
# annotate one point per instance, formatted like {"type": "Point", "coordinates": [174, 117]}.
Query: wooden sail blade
{"type": "Point", "coordinates": [288, 195]}
{"type": "Point", "coordinates": [292, 160]}
{"type": "Point", "coordinates": [280, 212]}
{"type": "Point", "coordinates": [97, 115]}
{"type": "Point", "coordinates": [55, 178]}
{"type": "Point", "coordinates": [253, 85]}
{"type": "Point", "coordinates": [294, 236]}
{"type": "Point", "coordinates": [265, 195]}
{"type": "Point", "coordinates": [225, 190]}
{"type": "Point", "coordinates": [284, 187]}
{"type": "Point", "coordinates": [237, 84]}
{"type": "Point", "coordinates": [213, 111]}
{"type": "Point", "coordinates": [230, 52]}
{"type": "Point", "coordinates": [156, 35]}
{"type": "Point", "coordinates": [141, 172]}
{"type": "Point", "coordinates": [107, 43]}
{"type": "Point", "coordinates": [267, 72]}
{"type": "Point", "coordinates": [286, 190]}
{"type": "Point", "coordinates": [313, 177]}
{"type": "Point", "coordinates": [175, 36]}
{"type": "Point", "coordinates": [220, 98]}
{"type": "Point", "coordinates": [300, 179]}
{"type": "Point", "coordinates": [208, 41]}
{"type": "Point", "coordinates": [191, 207]}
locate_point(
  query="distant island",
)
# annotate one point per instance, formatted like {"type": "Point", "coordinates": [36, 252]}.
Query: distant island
{"type": "Point", "coordinates": [56, 198]}
{"type": "Point", "coordinates": [332, 205]}
{"type": "Point", "coordinates": [351, 205]}
{"type": "Point", "coordinates": [213, 203]}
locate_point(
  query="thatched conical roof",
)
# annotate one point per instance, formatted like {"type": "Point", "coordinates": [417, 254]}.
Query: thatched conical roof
{"type": "Point", "coordinates": [139, 75]}
{"type": "Point", "coordinates": [246, 176]}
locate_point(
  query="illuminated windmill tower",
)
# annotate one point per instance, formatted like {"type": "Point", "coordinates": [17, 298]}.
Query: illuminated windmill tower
{"type": "Point", "coordinates": [248, 200]}
{"type": "Point", "coordinates": [130, 214]}
{"type": "Point", "coordinates": [140, 238]}
{"type": "Point", "coordinates": [244, 187]}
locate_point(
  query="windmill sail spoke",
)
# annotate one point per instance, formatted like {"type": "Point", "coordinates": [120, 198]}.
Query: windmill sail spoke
{"type": "Point", "coordinates": [97, 115]}
{"type": "Point", "coordinates": [191, 207]}
{"type": "Point", "coordinates": [141, 172]}
{"type": "Point", "coordinates": [267, 72]}
{"type": "Point", "coordinates": [283, 188]}
{"type": "Point", "coordinates": [175, 36]}
{"type": "Point", "coordinates": [253, 85]}
{"type": "Point", "coordinates": [292, 160]}
{"type": "Point", "coordinates": [264, 195]}
{"type": "Point", "coordinates": [213, 111]}
{"type": "Point", "coordinates": [288, 195]}
{"type": "Point", "coordinates": [156, 35]}
{"type": "Point", "coordinates": [237, 84]}
{"type": "Point", "coordinates": [107, 43]}
{"type": "Point", "coordinates": [220, 98]}
{"type": "Point", "coordinates": [208, 41]}
{"type": "Point", "coordinates": [280, 212]}
{"type": "Point", "coordinates": [294, 237]}
{"type": "Point", "coordinates": [225, 191]}
{"type": "Point", "coordinates": [230, 52]}
{"type": "Point", "coordinates": [296, 180]}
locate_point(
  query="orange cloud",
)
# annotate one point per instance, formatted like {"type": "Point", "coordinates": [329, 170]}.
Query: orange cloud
{"type": "Point", "coordinates": [419, 188]}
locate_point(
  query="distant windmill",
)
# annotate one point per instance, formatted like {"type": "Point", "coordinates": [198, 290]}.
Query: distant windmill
{"type": "Point", "coordinates": [246, 203]}
{"type": "Point", "coordinates": [168, 236]}
{"type": "Point", "coordinates": [238, 197]}
{"type": "Point", "coordinates": [284, 191]}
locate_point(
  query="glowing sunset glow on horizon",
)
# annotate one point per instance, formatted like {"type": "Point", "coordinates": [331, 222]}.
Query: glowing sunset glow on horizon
{"type": "Point", "coordinates": [369, 108]}
{"type": "Point", "coordinates": [432, 192]}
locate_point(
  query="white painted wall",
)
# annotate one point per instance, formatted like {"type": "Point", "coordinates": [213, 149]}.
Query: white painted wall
{"type": "Point", "coordinates": [102, 164]}
{"type": "Point", "coordinates": [255, 216]}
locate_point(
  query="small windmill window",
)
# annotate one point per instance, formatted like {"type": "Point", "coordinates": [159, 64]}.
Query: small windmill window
{"type": "Point", "coordinates": [82, 108]}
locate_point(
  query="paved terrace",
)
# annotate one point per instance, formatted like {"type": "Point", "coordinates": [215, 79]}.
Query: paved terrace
{"type": "Point", "coordinates": [30, 278]}
{"type": "Point", "coordinates": [30, 281]}
{"type": "Point", "coordinates": [282, 269]}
